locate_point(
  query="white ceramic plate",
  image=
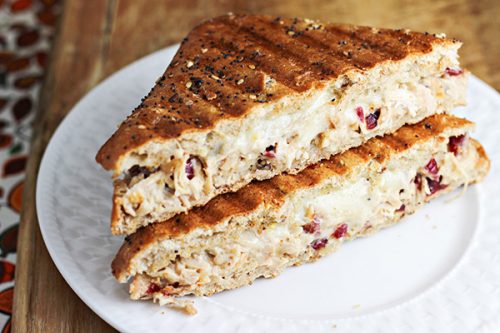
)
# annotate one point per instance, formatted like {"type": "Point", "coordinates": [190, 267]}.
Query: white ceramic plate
{"type": "Point", "coordinates": [437, 271]}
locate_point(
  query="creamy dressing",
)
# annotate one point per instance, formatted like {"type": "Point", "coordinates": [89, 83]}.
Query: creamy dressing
{"type": "Point", "coordinates": [335, 126]}
{"type": "Point", "coordinates": [361, 205]}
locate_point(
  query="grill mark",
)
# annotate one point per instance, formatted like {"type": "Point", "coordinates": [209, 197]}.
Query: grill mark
{"type": "Point", "coordinates": [415, 39]}
{"type": "Point", "coordinates": [389, 48]}
{"type": "Point", "coordinates": [286, 78]}
{"type": "Point", "coordinates": [275, 34]}
{"type": "Point", "coordinates": [325, 65]}
{"type": "Point", "coordinates": [347, 54]}
{"type": "Point", "coordinates": [314, 38]}
{"type": "Point", "coordinates": [223, 61]}
{"type": "Point", "coordinates": [361, 35]}
{"type": "Point", "coordinates": [386, 42]}
{"type": "Point", "coordinates": [366, 58]}
{"type": "Point", "coordinates": [277, 55]}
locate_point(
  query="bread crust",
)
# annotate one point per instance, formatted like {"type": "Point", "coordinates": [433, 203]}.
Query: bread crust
{"type": "Point", "coordinates": [221, 69]}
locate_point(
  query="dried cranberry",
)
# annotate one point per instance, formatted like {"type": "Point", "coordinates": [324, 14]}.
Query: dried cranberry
{"type": "Point", "coordinates": [319, 243]}
{"type": "Point", "coordinates": [455, 144]}
{"type": "Point", "coordinates": [418, 181]}
{"type": "Point", "coordinates": [340, 231]}
{"type": "Point", "coordinates": [372, 119]}
{"type": "Point", "coordinates": [270, 152]}
{"type": "Point", "coordinates": [435, 185]}
{"type": "Point", "coordinates": [311, 227]}
{"type": "Point", "coordinates": [153, 288]}
{"type": "Point", "coordinates": [432, 167]}
{"type": "Point", "coordinates": [189, 169]}
{"type": "Point", "coordinates": [453, 71]}
{"type": "Point", "coordinates": [360, 113]}
{"type": "Point", "coordinates": [401, 209]}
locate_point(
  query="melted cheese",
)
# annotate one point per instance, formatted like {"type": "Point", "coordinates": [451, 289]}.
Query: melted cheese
{"type": "Point", "coordinates": [322, 126]}
{"type": "Point", "coordinates": [361, 204]}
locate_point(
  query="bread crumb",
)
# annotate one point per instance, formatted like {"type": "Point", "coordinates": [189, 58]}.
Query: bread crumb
{"type": "Point", "coordinates": [185, 306]}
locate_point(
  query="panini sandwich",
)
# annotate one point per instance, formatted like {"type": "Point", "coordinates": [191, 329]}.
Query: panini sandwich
{"type": "Point", "coordinates": [288, 220]}
{"type": "Point", "coordinates": [251, 97]}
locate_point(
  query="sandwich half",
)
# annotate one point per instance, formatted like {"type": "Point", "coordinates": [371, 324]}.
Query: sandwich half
{"type": "Point", "coordinates": [288, 220]}
{"type": "Point", "coordinates": [250, 97]}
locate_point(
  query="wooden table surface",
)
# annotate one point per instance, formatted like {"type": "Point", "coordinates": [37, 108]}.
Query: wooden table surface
{"type": "Point", "coordinates": [97, 37]}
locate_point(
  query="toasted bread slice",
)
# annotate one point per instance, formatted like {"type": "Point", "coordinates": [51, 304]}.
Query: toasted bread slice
{"type": "Point", "coordinates": [250, 97]}
{"type": "Point", "coordinates": [292, 219]}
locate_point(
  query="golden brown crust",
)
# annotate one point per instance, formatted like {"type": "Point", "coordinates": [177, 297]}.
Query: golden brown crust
{"type": "Point", "coordinates": [221, 68]}
{"type": "Point", "coordinates": [273, 192]}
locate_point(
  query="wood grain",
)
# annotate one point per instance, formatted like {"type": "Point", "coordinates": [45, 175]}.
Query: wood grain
{"type": "Point", "coordinates": [96, 38]}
